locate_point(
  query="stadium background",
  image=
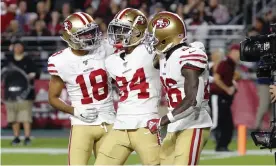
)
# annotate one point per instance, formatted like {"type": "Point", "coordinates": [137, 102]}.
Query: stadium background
{"type": "Point", "coordinates": [38, 24]}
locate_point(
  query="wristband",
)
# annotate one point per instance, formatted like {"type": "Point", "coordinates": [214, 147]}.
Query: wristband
{"type": "Point", "coordinates": [170, 117]}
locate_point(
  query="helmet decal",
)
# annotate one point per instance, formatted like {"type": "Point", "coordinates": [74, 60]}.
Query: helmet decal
{"type": "Point", "coordinates": [141, 20]}
{"type": "Point", "coordinates": [67, 25]}
{"type": "Point", "coordinates": [161, 23]}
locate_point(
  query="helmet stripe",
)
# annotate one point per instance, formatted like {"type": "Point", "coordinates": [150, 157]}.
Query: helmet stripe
{"type": "Point", "coordinates": [83, 17]}
{"type": "Point", "coordinates": [89, 19]}
{"type": "Point", "coordinates": [77, 15]}
{"type": "Point", "coordinates": [122, 13]}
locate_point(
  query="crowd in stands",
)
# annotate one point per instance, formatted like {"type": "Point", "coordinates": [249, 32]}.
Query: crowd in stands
{"type": "Point", "coordinates": [44, 17]}
{"type": "Point", "coordinates": [37, 18]}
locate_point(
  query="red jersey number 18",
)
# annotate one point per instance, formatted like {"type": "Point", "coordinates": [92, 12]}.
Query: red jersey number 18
{"type": "Point", "coordinates": [96, 86]}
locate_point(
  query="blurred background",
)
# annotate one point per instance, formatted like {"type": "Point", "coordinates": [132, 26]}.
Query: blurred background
{"type": "Point", "coordinates": [219, 24]}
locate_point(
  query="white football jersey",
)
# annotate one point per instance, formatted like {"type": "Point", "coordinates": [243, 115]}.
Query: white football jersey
{"type": "Point", "coordinates": [139, 87]}
{"type": "Point", "coordinates": [86, 80]}
{"type": "Point", "coordinates": [173, 82]}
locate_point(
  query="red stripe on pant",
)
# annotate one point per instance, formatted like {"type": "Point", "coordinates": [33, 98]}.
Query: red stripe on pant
{"type": "Point", "coordinates": [198, 146]}
{"type": "Point", "coordinates": [195, 145]}
{"type": "Point", "coordinates": [69, 146]}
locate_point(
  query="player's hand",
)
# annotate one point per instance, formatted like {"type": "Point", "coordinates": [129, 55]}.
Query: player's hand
{"type": "Point", "coordinates": [272, 90]}
{"type": "Point", "coordinates": [154, 125]}
{"type": "Point", "coordinates": [88, 115]}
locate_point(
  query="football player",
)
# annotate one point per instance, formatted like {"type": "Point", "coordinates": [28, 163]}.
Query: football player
{"type": "Point", "coordinates": [139, 92]}
{"type": "Point", "coordinates": [184, 74]}
{"type": "Point", "coordinates": [81, 69]}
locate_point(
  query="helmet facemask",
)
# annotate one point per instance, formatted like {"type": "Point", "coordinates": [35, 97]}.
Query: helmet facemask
{"type": "Point", "coordinates": [150, 42]}
{"type": "Point", "coordinates": [88, 38]}
{"type": "Point", "coordinates": [124, 34]}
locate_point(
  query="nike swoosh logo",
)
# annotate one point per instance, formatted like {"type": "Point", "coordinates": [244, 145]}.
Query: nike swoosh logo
{"type": "Point", "coordinates": [191, 51]}
{"type": "Point", "coordinates": [82, 116]}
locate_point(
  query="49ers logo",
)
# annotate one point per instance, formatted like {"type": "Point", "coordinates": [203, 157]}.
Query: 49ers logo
{"type": "Point", "coordinates": [161, 23]}
{"type": "Point", "coordinates": [141, 20]}
{"type": "Point", "coordinates": [67, 25]}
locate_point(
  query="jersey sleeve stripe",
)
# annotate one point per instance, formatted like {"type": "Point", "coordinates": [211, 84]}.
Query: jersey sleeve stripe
{"type": "Point", "coordinates": [51, 65]}
{"type": "Point", "coordinates": [52, 71]}
{"type": "Point", "coordinates": [195, 60]}
{"type": "Point", "coordinates": [193, 55]}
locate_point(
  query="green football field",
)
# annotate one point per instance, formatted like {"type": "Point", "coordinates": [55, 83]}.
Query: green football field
{"type": "Point", "coordinates": [53, 151]}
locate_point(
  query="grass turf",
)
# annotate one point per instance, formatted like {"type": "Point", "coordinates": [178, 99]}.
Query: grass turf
{"type": "Point", "coordinates": [61, 159]}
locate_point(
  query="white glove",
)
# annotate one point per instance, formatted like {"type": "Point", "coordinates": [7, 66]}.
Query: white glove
{"type": "Point", "coordinates": [88, 115]}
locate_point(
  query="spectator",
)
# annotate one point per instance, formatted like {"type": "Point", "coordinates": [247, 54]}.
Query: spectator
{"type": "Point", "coordinates": [58, 4]}
{"type": "Point", "coordinates": [55, 26]}
{"type": "Point", "coordinates": [225, 90]}
{"type": "Point", "coordinates": [42, 11]}
{"type": "Point", "coordinates": [65, 11]}
{"type": "Point", "coordinates": [112, 11]}
{"type": "Point", "coordinates": [144, 8]}
{"type": "Point", "coordinates": [189, 7]}
{"type": "Point", "coordinates": [40, 29]}
{"type": "Point", "coordinates": [158, 7]}
{"type": "Point", "coordinates": [22, 16]}
{"type": "Point", "coordinates": [8, 14]}
{"type": "Point", "coordinates": [199, 32]}
{"type": "Point", "coordinates": [13, 32]}
{"type": "Point", "coordinates": [218, 12]}
{"type": "Point", "coordinates": [20, 111]}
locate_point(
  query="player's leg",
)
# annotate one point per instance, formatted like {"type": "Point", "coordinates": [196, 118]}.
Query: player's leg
{"type": "Point", "coordinates": [80, 144]}
{"type": "Point", "coordinates": [146, 146]}
{"type": "Point", "coordinates": [167, 149]}
{"type": "Point", "coordinates": [189, 144]}
{"type": "Point", "coordinates": [115, 148]}
{"type": "Point", "coordinates": [102, 132]}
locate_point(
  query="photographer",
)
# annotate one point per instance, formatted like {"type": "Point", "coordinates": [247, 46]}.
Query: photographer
{"type": "Point", "coordinates": [272, 90]}
{"type": "Point", "coordinates": [18, 76]}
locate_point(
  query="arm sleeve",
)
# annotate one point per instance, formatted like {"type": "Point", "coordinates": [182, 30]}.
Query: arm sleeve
{"type": "Point", "coordinates": [196, 60]}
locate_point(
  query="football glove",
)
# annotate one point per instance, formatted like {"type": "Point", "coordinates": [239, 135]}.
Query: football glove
{"type": "Point", "coordinates": [154, 125]}
{"type": "Point", "coordinates": [88, 115]}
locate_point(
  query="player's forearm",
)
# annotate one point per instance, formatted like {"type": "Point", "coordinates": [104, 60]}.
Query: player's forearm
{"type": "Point", "coordinates": [60, 105]}
{"type": "Point", "coordinates": [184, 109]}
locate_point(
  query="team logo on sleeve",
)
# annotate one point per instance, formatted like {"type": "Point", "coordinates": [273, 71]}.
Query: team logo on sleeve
{"type": "Point", "coordinates": [67, 25]}
{"type": "Point", "coordinates": [161, 23]}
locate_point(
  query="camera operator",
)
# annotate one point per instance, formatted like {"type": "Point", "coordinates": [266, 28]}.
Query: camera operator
{"type": "Point", "coordinates": [19, 72]}
{"type": "Point", "coordinates": [272, 90]}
